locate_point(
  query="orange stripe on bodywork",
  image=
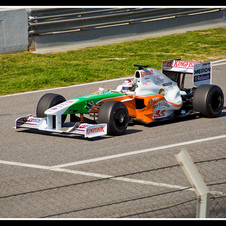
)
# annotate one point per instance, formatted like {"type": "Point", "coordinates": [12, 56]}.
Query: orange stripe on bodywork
{"type": "Point", "coordinates": [145, 114]}
{"type": "Point", "coordinates": [176, 105]}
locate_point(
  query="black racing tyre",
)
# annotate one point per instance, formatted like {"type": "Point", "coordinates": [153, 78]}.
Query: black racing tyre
{"type": "Point", "coordinates": [116, 115]}
{"type": "Point", "coordinates": [208, 100]}
{"type": "Point", "coordinates": [47, 101]}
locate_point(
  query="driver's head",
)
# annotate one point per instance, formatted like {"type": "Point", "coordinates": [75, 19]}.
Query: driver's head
{"type": "Point", "coordinates": [128, 85]}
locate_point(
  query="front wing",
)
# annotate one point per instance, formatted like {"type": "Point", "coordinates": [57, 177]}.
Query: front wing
{"type": "Point", "coordinates": [85, 129]}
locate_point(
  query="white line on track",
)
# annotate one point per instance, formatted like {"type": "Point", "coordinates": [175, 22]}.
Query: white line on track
{"type": "Point", "coordinates": [138, 151]}
{"type": "Point", "coordinates": [102, 176]}
{"type": "Point", "coordinates": [59, 168]}
{"type": "Point", "coordinates": [217, 61]}
{"type": "Point", "coordinates": [219, 64]}
{"type": "Point", "coordinates": [89, 174]}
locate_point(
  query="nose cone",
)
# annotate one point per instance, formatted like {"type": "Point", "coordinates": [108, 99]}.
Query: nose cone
{"type": "Point", "coordinates": [60, 108]}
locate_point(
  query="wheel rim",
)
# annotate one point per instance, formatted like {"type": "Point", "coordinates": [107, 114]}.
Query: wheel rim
{"type": "Point", "coordinates": [120, 118]}
{"type": "Point", "coordinates": [216, 102]}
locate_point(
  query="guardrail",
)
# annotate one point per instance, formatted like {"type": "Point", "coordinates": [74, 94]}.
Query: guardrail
{"type": "Point", "coordinates": [45, 21]}
{"type": "Point", "coordinates": [45, 30]}
{"type": "Point", "coordinates": [62, 29]}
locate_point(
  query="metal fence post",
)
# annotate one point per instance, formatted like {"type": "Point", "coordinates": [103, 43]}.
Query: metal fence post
{"type": "Point", "coordinates": [203, 206]}
{"type": "Point", "coordinates": [197, 183]}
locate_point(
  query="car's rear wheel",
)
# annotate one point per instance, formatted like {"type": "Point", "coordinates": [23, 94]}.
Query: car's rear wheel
{"type": "Point", "coordinates": [208, 100]}
{"type": "Point", "coordinates": [115, 114]}
{"type": "Point", "coordinates": [47, 101]}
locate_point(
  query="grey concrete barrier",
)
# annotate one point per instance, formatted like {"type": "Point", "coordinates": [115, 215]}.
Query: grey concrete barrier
{"type": "Point", "coordinates": [13, 30]}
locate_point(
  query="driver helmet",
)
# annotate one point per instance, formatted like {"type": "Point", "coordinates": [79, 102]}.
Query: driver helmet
{"type": "Point", "coordinates": [128, 85]}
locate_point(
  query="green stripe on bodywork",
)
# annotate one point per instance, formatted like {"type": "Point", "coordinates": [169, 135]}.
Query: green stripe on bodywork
{"type": "Point", "coordinates": [80, 106]}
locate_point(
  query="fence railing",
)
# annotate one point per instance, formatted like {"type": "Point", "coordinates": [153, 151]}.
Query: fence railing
{"type": "Point", "coordinates": [62, 29]}
{"type": "Point", "coordinates": [197, 182]}
{"type": "Point", "coordinates": [44, 21]}
{"type": "Point", "coordinates": [49, 29]}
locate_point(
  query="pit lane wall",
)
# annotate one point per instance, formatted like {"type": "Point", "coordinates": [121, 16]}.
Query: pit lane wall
{"type": "Point", "coordinates": [45, 30]}
{"type": "Point", "coordinates": [13, 30]}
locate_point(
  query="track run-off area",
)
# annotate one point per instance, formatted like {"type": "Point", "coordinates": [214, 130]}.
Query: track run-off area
{"type": "Point", "coordinates": [134, 175]}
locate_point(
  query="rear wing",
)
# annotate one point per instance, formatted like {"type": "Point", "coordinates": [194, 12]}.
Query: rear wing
{"type": "Point", "coordinates": [177, 69]}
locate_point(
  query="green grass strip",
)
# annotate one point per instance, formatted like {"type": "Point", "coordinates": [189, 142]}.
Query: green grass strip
{"type": "Point", "coordinates": [28, 71]}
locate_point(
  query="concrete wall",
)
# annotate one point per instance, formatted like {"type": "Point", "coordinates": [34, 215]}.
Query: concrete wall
{"type": "Point", "coordinates": [13, 30]}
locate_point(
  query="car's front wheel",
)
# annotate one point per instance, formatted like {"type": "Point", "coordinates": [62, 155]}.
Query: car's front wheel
{"type": "Point", "coordinates": [115, 114]}
{"type": "Point", "coordinates": [47, 101]}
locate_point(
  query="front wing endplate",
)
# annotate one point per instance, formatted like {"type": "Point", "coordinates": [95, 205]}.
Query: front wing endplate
{"type": "Point", "coordinates": [85, 129]}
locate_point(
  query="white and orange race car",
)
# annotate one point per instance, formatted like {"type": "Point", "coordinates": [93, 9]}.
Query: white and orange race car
{"type": "Point", "coordinates": [150, 96]}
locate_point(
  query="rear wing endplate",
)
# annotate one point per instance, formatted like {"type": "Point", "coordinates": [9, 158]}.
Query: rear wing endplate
{"type": "Point", "coordinates": [202, 72]}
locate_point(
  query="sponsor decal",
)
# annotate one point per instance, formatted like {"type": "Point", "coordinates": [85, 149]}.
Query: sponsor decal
{"type": "Point", "coordinates": [78, 128]}
{"type": "Point", "coordinates": [146, 72]}
{"type": "Point", "coordinates": [53, 109]}
{"type": "Point", "coordinates": [202, 74]}
{"type": "Point", "coordinates": [78, 131]}
{"type": "Point", "coordinates": [187, 64]}
{"type": "Point", "coordinates": [200, 71]}
{"type": "Point", "coordinates": [167, 63]}
{"type": "Point", "coordinates": [83, 126]}
{"type": "Point", "coordinates": [155, 98]}
{"type": "Point", "coordinates": [161, 104]}
{"type": "Point", "coordinates": [179, 66]}
{"type": "Point", "coordinates": [29, 125]}
{"type": "Point", "coordinates": [159, 79]}
{"type": "Point", "coordinates": [167, 84]}
{"type": "Point", "coordinates": [162, 91]}
{"type": "Point", "coordinates": [71, 101]}
{"type": "Point", "coordinates": [203, 77]}
{"type": "Point", "coordinates": [160, 113]}
{"type": "Point", "coordinates": [34, 119]}
{"type": "Point", "coordinates": [95, 130]}
{"type": "Point", "coordinates": [68, 102]}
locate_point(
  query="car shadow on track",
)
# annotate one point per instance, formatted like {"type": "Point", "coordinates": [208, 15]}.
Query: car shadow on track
{"type": "Point", "coordinates": [57, 135]}
{"type": "Point", "coordinates": [128, 131]}
{"type": "Point", "coordinates": [77, 137]}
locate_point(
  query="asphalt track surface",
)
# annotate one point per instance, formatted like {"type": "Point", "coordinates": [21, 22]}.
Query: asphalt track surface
{"type": "Point", "coordinates": [33, 162]}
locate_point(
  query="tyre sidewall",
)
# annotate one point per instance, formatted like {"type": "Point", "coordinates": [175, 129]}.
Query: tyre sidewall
{"type": "Point", "coordinates": [214, 110]}
{"type": "Point", "coordinates": [108, 113]}
{"type": "Point", "coordinates": [47, 101]}
{"type": "Point", "coordinates": [208, 100]}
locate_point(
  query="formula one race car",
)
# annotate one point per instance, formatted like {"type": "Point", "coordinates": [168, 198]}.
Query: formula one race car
{"type": "Point", "coordinates": [150, 96]}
